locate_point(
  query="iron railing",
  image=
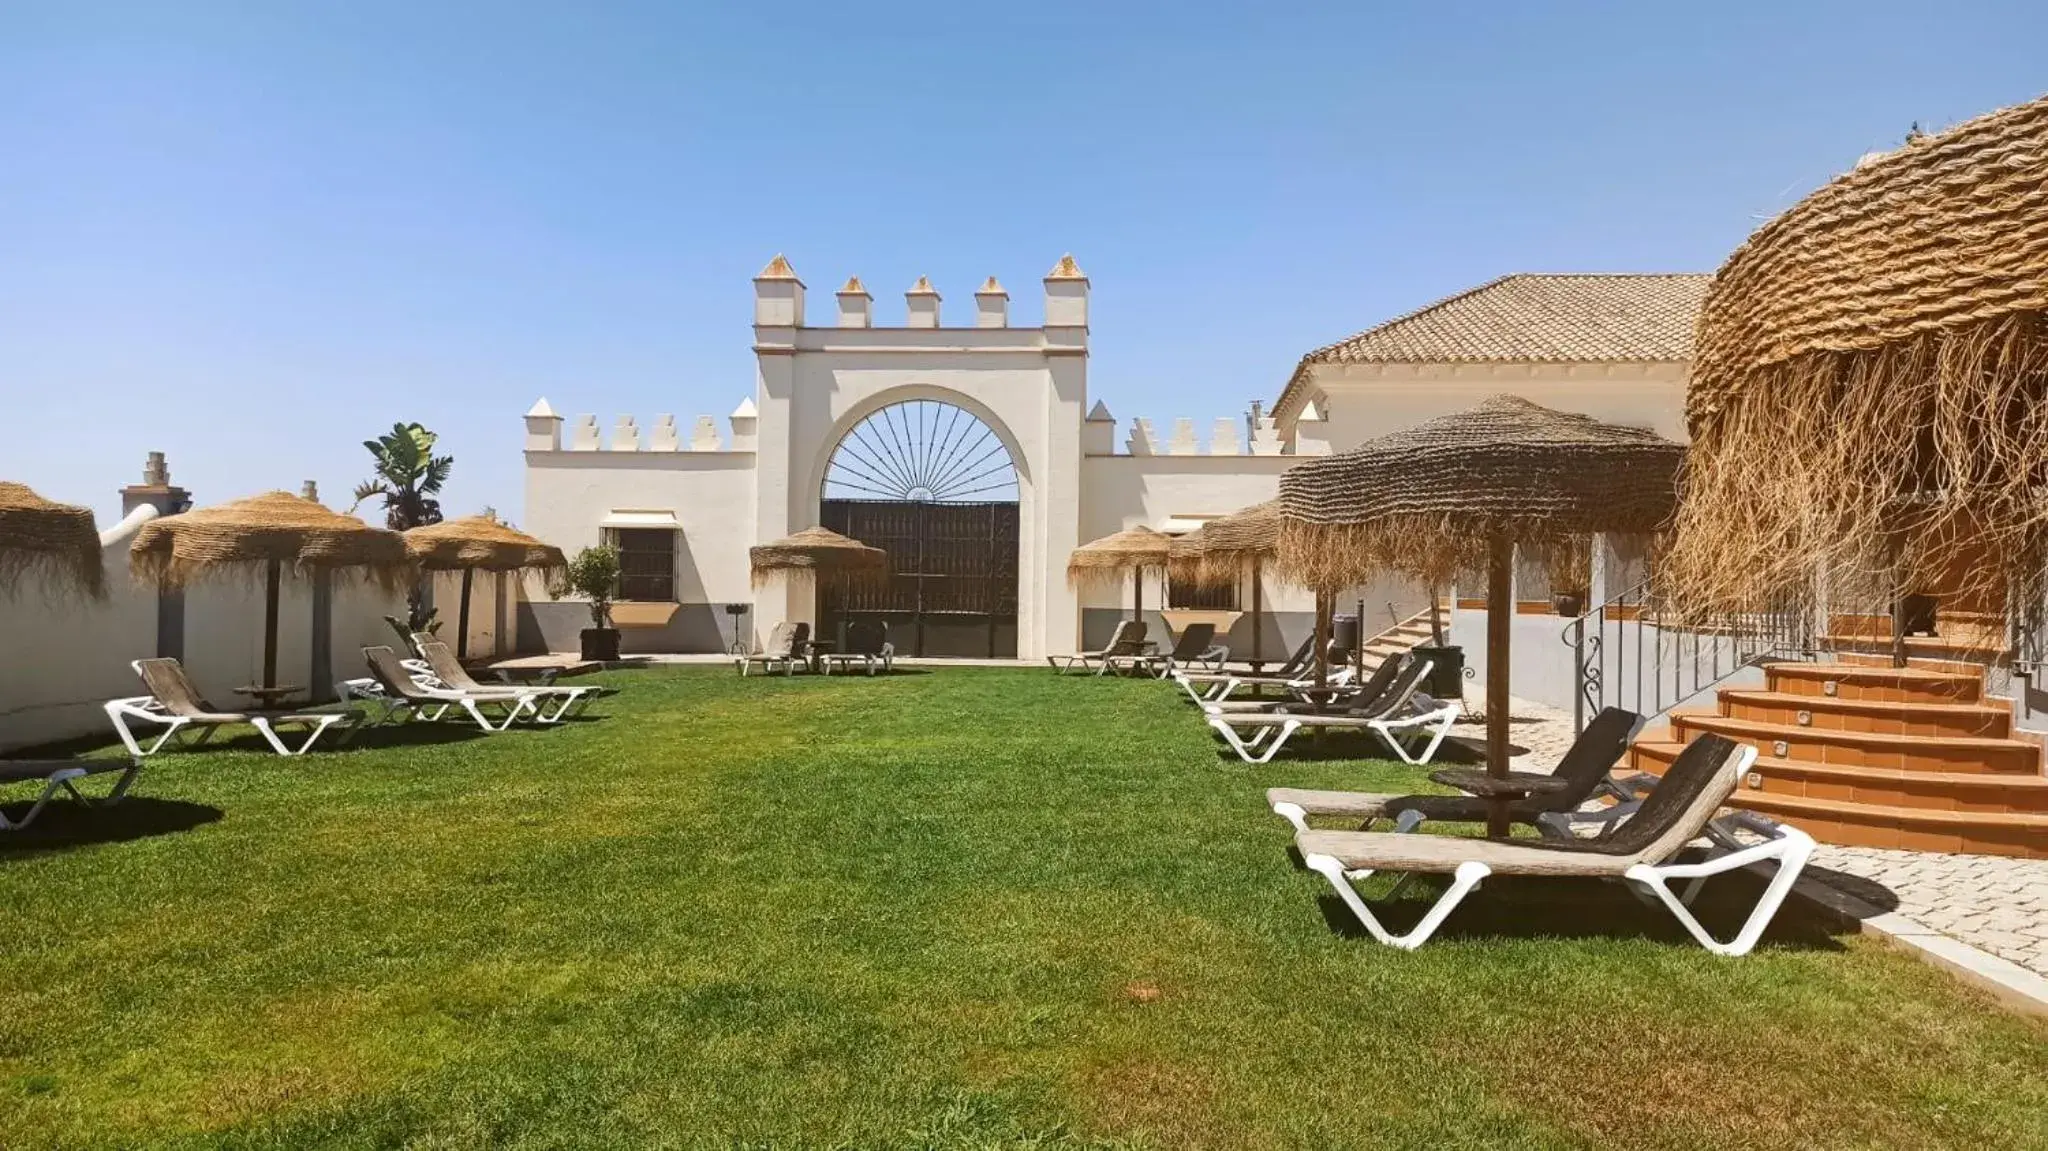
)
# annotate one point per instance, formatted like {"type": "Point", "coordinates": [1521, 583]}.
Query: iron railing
{"type": "Point", "coordinates": [1627, 654]}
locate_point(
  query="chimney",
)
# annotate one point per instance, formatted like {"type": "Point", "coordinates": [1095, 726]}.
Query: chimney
{"type": "Point", "coordinates": [310, 491]}
{"type": "Point", "coordinates": [156, 489]}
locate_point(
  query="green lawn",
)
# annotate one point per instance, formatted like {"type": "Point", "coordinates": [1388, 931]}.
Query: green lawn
{"type": "Point", "coordinates": [964, 908]}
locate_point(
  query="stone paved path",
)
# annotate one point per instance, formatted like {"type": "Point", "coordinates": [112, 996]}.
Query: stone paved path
{"type": "Point", "coordinates": [1990, 902]}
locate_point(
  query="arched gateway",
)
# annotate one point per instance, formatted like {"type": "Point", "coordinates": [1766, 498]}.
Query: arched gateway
{"type": "Point", "coordinates": [935, 486]}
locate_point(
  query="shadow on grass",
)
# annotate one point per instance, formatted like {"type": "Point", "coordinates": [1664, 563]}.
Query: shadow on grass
{"type": "Point", "coordinates": [1520, 907]}
{"type": "Point", "coordinates": [1307, 747]}
{"type": "Point", "coordinates": [67, 823]}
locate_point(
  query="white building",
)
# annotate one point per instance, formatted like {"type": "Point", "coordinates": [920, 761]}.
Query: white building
{"type": "Point", "coordinates": [974, 453]}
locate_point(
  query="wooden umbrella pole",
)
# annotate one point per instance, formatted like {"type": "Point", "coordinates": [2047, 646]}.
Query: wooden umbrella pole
{"type": "Point", "coordinates": [1256, 565]}
{"type": "Point", "coordinates": [1138, 594]}
{"type": "Point", "coordinates": [1500, 616]}
{"type": "Point", "coordinates": [1322, 642]}
{"type": "Point", "coordinates": [272, 574]}
{"type": "Point", "coordinates": [462, 617]}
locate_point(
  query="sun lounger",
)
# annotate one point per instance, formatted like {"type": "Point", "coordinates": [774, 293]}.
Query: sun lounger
{"type": "Point", "coordinates": [394, 696]}
{"type": "Point", "coordinates": [1587, 764]}
{"type": "Point", "coordinates": [867, 644]}
{"type": "Point", "coordinates": [1643, 852]}
{"type": "Point", "coordinates": [1194, 647]}
{"type": "Point", "coordinates": [175, 704]}
{"type": "Point", "coordinates": [1206, 685]}
{"type": "Point", "coordinates": [785, 649]}
{"type": "Point", "coordinates": [63, 775]}
{"type": "Point", "coordinates": [1126, 641]}
{"type": "Point", "coordinates": [448, 672]}
{"type": "Point", "coordinates": [1400, 717]}
{"type": "Point", "coordinates": [1341, 692]}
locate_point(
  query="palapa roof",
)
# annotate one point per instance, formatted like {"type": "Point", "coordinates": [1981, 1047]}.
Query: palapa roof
{"type": "Point", "coordinates": [1425, 501]}
{"type": "Point", "coordinates": [1873, 364]}
{"type": "Point", "coordinates": [1532, 318]}
{"type": "Point", "coordinates": [1108, 558]}
{"type": "Point", "coordinates": [249, 533]}
{"type": "Point", "coordinates": [480, 543]}
{"type": "Point", "coordinates": [818, 552]}
{"type": "Point", "coordinates": [56, 544]}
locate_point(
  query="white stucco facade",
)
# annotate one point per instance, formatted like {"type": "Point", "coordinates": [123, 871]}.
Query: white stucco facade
{"type": "Point", "coordinates": [1079, 474]}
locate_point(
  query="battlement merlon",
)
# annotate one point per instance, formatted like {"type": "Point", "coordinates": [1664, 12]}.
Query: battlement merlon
{"type": "Point", "coordinates": [544, 433]}
{"type": "Point", "coordinates": [1253, 434]}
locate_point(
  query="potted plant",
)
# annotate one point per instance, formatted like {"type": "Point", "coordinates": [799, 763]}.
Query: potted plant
{"type": "Point", "coordinates": [1569, 604]}
{"type": "Point", "coordinates": [594, 575]}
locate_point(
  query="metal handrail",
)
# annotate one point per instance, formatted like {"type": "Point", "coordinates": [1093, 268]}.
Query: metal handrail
{"type": "Point", "coordinates": [1625, 653]}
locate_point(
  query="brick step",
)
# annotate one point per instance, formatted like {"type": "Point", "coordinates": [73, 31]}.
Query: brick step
{"type": "Point", "coordinates": [1864, 822]}
{"type": "Point", "coordinates": [1862, 681]}
{"type": "Point", "coordinates": [1883, 717]}
{"type": "Point", "coordinates": [1867, 749]}
{"type": "Point", "coordinates": [1989, 650]}
{"type": "Point", "coordinates": [1984, 793]}
{"type": "Point", "coordinates": [1975, 667]}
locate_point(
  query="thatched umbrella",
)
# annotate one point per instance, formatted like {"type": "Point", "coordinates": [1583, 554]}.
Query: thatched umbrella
{"type": "Point", "coordinates": [56, 543]}
{"type": "Point", "coordinates": [1134, 550]}
{"type": "Point", "coordinates": [266, 533]}
{"type": "Point", "coordinates": [1870, 387]}
{"type": "Point", "coordinates": [478, 543]}
{"type": "Point", "coordinates": [1464, 489]}
{"type": "Point", "coordinates": [1248, 536]}
{"type": "Point", "coordinates": [819, 554]}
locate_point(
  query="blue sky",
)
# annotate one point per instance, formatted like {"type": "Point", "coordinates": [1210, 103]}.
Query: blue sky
{"type": "Point", "coordinates": [252, 235]}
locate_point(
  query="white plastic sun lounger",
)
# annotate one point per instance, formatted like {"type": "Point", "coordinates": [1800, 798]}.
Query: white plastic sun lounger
{"type": "Point", "coordinates": [785, 649]}
{"type": "Point", "coordinates": [1126, 641]}
{"type": "Point", "coordinates": [449, 674]}
{"type": "Point", "coordinates": [393, 696]}
{"type": "Point", "coordinates": [63, 775]}
{"type": "Point", "coordinates": [1402, 718]}
{"type": "Point", "coordinates": [176, 705]}
{"type": "Point", "coordinates": [1205, 685]}
{"type": "Point", "coordinates": [1641, 853]}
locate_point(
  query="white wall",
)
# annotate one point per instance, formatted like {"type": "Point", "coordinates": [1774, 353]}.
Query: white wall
{"type": "Point", "coordinates": [1361, 401]}
{"type": "Point", "coordinates": [568, 494]}
{"type": "Point", "coordinates": [66, 657]}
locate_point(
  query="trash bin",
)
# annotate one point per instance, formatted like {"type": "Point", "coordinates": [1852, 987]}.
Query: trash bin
{"type": "Point", "coordinates": [1344, 632]}
{"type": "Point", "coordinates": [1446, 670]}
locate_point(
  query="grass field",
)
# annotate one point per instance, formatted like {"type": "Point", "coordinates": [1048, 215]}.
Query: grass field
{"type": "Point", "coordinates": [960, 908]}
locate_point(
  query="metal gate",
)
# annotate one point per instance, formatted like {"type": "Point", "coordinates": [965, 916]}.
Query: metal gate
{"type": "Point", "coordinates": [953, 591]}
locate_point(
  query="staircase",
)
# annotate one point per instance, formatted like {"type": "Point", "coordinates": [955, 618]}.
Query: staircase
{"type": "Point", "coordinates": [1868, 755]}
{"type": "Point", "coordinates": [1399, 639]}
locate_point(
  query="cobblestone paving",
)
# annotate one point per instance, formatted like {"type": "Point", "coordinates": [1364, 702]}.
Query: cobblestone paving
{"type": "Point", "coordinates": [1990, 902]}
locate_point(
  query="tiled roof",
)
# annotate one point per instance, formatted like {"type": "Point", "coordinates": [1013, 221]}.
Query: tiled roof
{"type": "Point", "coordinates": [1533, 318]}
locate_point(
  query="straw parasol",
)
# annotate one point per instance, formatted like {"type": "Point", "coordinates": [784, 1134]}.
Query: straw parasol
{"type": "Point", "coordinates": [1466, 488]}
{"type": "Point", "coordinates": [478, 543]}
{"type": "Point", "coordinates": [56, 543]}
{"type": "Point", "coordinates": [1184, 559]}
{"type": "Point", "coordinates": [1870, 389]}
{"type": "Point", "coordinates": [1133, 550]}
{"type": "Point", "coordinates": [266, 533]}
{"type": "Point", "coordinates": [818, 552]}
{"type": "Point", "coordinates": [1247, 536]}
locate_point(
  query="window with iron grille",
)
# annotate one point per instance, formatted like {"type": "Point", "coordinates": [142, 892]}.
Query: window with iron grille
{"type": "Point", "coordinates": [1182, 594]}
{"type": "Point", "coordinates": [647, 564]}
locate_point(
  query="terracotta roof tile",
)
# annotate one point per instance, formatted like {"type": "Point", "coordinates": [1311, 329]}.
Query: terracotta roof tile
{"type": "Point", "coordinates": [1533, 318]}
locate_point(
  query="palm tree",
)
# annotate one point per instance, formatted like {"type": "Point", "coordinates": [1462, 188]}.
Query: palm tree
{"type": "Point", "coordinates": [408, 477]}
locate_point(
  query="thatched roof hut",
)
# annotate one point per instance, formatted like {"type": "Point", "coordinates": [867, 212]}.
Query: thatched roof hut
{"type": "Point", "coordinates": [818, 553]}
{"type": "Point", "coordinates": [54, 544]}
{"type": "Point", "coordinates": [1429, 501]}
{"type": "Point", "coordinates": [1870, 389]}
{"type": "Point", "coordinates": [246, 536]}
{"type": "Point", "coordinates": [480, 543]}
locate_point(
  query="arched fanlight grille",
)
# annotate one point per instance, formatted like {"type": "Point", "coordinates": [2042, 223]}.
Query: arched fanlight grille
{"type": "Point", "coordinates": [923, 451]}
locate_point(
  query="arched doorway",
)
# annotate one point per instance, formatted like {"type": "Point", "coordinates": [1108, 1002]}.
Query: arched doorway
{"type": "Point", "coordinates": [935, 486]}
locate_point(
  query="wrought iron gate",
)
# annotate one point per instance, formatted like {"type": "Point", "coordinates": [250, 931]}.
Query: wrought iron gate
{"type": "Point", "coordinates": [953, 590]}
